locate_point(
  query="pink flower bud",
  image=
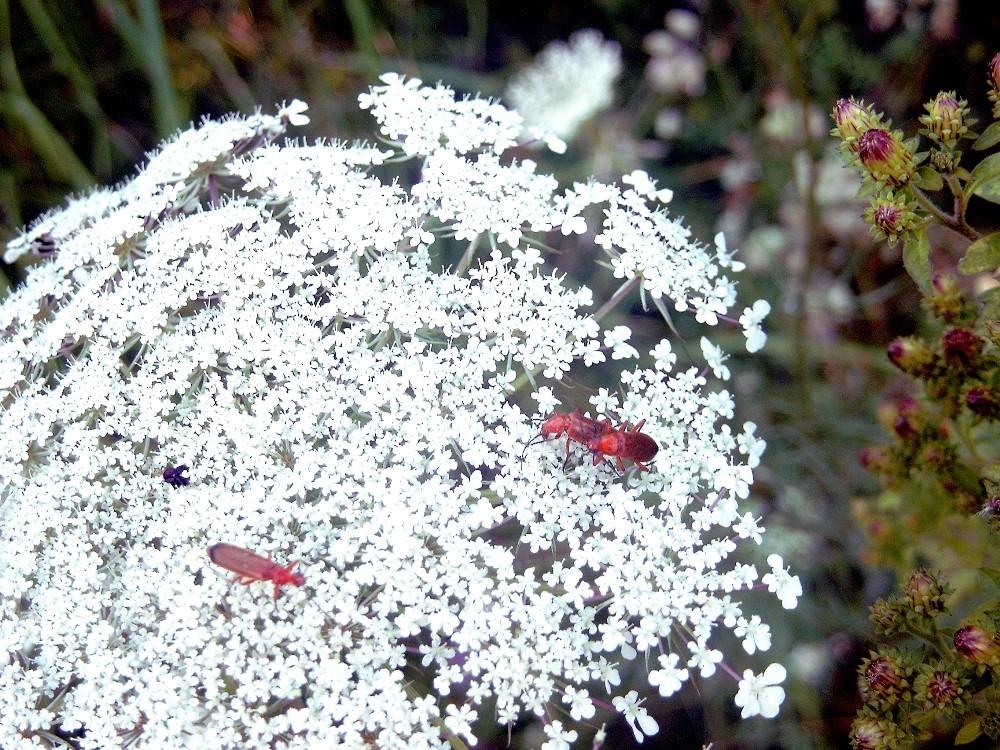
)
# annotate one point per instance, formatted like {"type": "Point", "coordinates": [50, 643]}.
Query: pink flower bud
{"type": "Point", "coordinates": [885, 157]}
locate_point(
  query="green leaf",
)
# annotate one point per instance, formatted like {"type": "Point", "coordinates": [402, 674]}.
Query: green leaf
{"type": "Point", "coordinates": [989, 138]}
{"type": "Point", "coordinates": [987, 169]}
{"type": "Point", "coordinates": [991, 304]}
{"type": "Point", "coordinates": [989, 190]}
{"type": "Point", "coordinates": [928, 178]}
{"type": "Point", "coordinates": [968, 733]}
{"type": "Point", "coordinates": [993, 575]}
{"type": "Point", "coordinates": [916, 258]}
{"type": "Point", "coordinates": [982, 255]}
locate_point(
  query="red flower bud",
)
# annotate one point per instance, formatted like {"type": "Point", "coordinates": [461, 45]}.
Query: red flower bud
{"type": "Point", "coordinates": [962, 348]}
{"type": "Point", "coordinates": [852, 119]}
{"type": "Point", "coordinates": [978, 645]}
{"type": "Point", "coordinates": [912, 356]}
{"type": "Point", "coordinates": [983, 402]}
{"type": "Point", "coordinates": [885, 157]}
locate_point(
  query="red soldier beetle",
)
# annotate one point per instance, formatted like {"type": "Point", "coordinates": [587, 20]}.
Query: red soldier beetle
{"type": "Point", "coordinates": [623, 443]}
{"type": "Point", "coordinates": [249, 566]}
{"type": "Point", "coordinates": [574, 426]}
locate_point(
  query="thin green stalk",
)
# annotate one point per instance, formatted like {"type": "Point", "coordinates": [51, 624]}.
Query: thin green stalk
{"type": "Point", "coordinates": [947, 220]}
{"type": "Point", "coordinates": [363, 28]}
{"type": "Point", "coordinates": [57, 157]}
{"type": "Point", "coordinates": [617, 297]}
{"type": "Point", "coordinates": [144, 37]}
{"type": "Point", "coordinates": [66, 63]}
{"type": "Point", "coordinates": [798, 74]}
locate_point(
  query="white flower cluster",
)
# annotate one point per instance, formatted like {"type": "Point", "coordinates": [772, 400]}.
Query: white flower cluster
{"type": "Point", "coordinates": [258, 344]}
{"type": "Point", "coordinates": [567, 84]}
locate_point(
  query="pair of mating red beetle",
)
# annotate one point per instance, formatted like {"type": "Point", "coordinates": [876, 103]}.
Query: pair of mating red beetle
{"type": "Point", "coordinates": [600, 437]}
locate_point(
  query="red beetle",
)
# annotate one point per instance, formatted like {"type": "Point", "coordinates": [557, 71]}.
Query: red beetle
{"type": "Point", "coordinates": [623, 443]}
{"type": "Point", "coordinates": [574, 426]}
{"type": "Point", "coordinates": [249, 566]}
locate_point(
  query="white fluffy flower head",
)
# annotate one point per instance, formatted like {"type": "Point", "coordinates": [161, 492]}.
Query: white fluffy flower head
{"type": "Point", "coordinates": [266, 345]}
{"type": "Point", "coordinates": [567, 84]}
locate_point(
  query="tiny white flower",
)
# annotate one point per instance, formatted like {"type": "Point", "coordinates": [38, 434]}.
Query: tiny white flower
{"type": "Point", "coordinates": [643, 725]}
{"type": "Point", "coordinates": [294, 112]}
{"type": "Point", "coordinates": [704, 659]}
{"type": "Point", "coordinates": [715, 357]}
{"type": "Point", "coordinates": [786, 586]}
{"type": "Point", "coordinates": [751, 320]}
{"type": "Point", "coordinates": [558, 738]}
{"type": "Point", "coordinates": [758, 634]}
{"type": "Point", "coordinates": [668, 678]}
{"type": "Point", "coordinates": [761, 694]}
{"type": "Point", "coordinates": [617, 340]}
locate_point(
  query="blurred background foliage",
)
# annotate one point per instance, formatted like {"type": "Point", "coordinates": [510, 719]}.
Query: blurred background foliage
{"type": "Point", "coordinates": [727, 102]}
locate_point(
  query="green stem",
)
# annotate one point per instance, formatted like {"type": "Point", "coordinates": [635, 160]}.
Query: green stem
{"type": "Point", "coordinates": [952, 222]}
{"type": "Point", "coordinates": [56, 155]}
{"type": "Point", "coordinates": [797, 72]}
{"type": "Point", "coordinates": [617, 297]}
{"type": "Point", "coordinates": [145, 39]}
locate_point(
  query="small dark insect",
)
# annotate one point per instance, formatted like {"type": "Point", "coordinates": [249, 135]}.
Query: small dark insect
{"type": "Point", "coordinates": [176, 476]}
{"type": "Point", "coordinates": [623, 443]}
{"type": "Point", "coordinates": [249, 566]}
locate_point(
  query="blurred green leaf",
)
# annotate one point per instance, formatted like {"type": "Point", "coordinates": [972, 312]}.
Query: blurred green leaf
{"type": "Point", "coordinates": [992, 574]}
{"type": "Point", "coordinates": [989, 138]}
{"type": "Point", "coordinates": [991, 303]}
{"type": "Point", "coordinates": [986, 170]}
{"type": "Point", "coordinates": [916, 258]}
{"type": "Point", "coordinates": [968, 733]}
{"type": "Point", "coordinates": [989, 190]}
{"type": "Point", "coordinates": [982, 255]}
{"type": "Point", "coordinates": [928, 178]}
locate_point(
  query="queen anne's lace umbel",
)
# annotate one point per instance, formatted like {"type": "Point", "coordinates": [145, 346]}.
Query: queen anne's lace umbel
{"type": "Point", "coordinates": [274, 318]}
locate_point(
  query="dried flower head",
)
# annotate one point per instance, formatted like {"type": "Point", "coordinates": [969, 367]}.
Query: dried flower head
{"type": "Point", "coordinates": [286, 325]}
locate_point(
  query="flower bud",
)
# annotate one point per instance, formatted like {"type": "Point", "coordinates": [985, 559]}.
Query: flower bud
{"type": "Point", "coordinates": [983, 402]}
{"type": "Point", "coordinates": [870, 732]}
{"type": "Point", "coordinates": [948, 302]}
{"type": "Point", "coordinates": [876, 459]}
{"type": "Point", "coordinates": [962, 349]}
{"type": "Point", "coordinates": [979, 645]}
{"type": "Point", "coordinates": [905, 427]}
{"type": "Point", "coordinates": [888, 616]}
{"type": "Point", "coordinates": [940, 689]}
{"type": "Point", "coordinates": [925, 593]}
{"type": "Point", "coordinates": [946, 119]}
{"type": "Point", "coordinates": [886, 679]}
{"type": "Point", "coordinates": [994, 80]}
{"type": "Point", "coordinates": [912, 356]}
{"type": "Point", "coordinates": [852, 119]}
{"type": "Point", "coordinates": [889, 217]}
{"type": "Point", "coordinates": [885, 157]}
